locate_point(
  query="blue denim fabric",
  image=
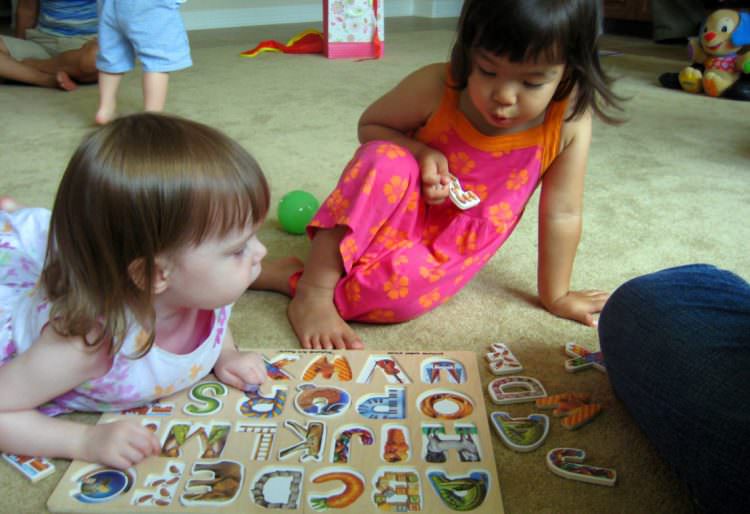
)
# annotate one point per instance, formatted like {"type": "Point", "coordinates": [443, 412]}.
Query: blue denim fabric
{"type": "Point", "coordinates": [677, 348]}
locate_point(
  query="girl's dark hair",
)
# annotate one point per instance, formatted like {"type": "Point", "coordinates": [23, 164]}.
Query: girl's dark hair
{"type": "Point", "coordinates": [565, 31]}
{"type": "Point", "coordinates": [141, 186]}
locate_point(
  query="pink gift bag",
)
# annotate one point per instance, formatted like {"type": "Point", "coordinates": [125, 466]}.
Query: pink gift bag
{"type": "Point", "coordinates": [353, 29]}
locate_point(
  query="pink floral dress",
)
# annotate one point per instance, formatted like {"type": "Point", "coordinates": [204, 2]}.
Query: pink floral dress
{"type": "Point", "coordinates": [403, 257]}
{"type": "Point", "coordinates": [24, 311]}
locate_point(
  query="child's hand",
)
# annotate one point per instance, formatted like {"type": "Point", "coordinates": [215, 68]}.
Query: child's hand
{"type": "Point", "coordinates": [120, 444]}
{"type": "Point", "coordinates": [580, 306]}
{"type": "Point", "coordinates": [435, 175]}
{"type": "Point", "coordinates": [241, 369]}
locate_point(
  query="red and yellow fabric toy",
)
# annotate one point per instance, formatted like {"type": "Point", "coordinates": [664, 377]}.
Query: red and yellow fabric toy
{"type": "Point", "coordinates": [307, 42]}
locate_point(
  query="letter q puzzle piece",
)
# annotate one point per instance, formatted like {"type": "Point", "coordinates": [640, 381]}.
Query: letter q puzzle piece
{"type": "Point", "coordinates": [567, 463]}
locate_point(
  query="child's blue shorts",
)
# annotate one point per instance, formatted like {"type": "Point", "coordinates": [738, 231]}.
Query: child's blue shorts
{"type": "Point", "coordinates": [151, 30]}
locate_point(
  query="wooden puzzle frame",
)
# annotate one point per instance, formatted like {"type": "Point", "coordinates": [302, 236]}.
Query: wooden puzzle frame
{"type": "Point", "coordinates": [351, 431]}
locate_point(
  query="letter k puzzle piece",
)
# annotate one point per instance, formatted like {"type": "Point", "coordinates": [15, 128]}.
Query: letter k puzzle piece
{"type": "Point", "coordinates": [583, 358]}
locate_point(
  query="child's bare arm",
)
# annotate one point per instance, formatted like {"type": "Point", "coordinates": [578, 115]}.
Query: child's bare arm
{"type": "Point", "coordinates": [52, 366]}
{"type": "Point", "coordinates": [402, 111]}
{"type": "Point", "coordinates": [560, 221]}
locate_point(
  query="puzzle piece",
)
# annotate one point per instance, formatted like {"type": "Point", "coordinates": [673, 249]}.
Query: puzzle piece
{"type": "Point", "coordinates": [33, 468]}
{"type": "Point", "coordinates": [521, 434]}
{"type": "Point", "coordinates": [502, 361]}
{"type": "Point", "coordinates": [462, 199]}
{"type": "Point", "coordinates": [574, 407]}
{"type": "Point", "coordinates": [583, 358]}
{"type": "Point", "coordinates": [565, 462]}
{"type": "Point", "coordinates": [515, 389]}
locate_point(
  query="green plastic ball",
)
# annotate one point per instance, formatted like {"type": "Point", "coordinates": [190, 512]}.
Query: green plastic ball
{"type": "Point", "coordinates": [295, 210]}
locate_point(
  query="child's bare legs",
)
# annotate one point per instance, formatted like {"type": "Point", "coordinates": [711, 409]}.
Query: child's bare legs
{"type": "Point", "coordinates": [108, 85]}
{"type": "Point", "coordinates": [155, 86]}
{"type": "Point", "coordinates": [312, 313]}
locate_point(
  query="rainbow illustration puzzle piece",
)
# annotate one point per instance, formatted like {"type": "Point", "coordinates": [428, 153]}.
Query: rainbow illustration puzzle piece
{"type": "Point", "coordinates": [33, 468]}
{"type": "Point", "coordinates": [521, 434]}
{"type": "Point", "coordinates": [575, 408]}
{"type": "Point", "coordinates": [567, 463]}
{"type": "Point", "coordinates": [502, 361]}
{"type": "Point", "coordinates": [583, 358]}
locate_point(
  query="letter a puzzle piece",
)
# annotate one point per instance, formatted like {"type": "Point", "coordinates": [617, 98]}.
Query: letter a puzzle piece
{"type": "Point", "coordinates": [502, 361]}
{"type": "Point", "coordinates": [583, 358]}
{"type": "Point", "coordinates": [574, 407]}
{"type": "Point", "coordinates": [566, 462]}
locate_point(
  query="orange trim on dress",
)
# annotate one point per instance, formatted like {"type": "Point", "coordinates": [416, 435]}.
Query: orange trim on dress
{"type": "Point", "coordinates": [448, 115]}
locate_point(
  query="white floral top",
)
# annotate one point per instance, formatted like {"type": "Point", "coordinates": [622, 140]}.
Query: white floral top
{"type": "Point", "coordinates": [24, 311]}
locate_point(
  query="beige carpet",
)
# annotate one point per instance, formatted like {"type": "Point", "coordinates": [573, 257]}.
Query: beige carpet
{"type": "Point", "coordinates": [667, 188]}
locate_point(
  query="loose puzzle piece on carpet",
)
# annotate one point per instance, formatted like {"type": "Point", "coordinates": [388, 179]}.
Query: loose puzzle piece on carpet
{"type": "Point", "coordinates": [352, 431]}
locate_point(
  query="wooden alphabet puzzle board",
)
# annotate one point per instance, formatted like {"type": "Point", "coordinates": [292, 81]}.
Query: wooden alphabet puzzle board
{"type": "Point", "coordinates": [345, 431]}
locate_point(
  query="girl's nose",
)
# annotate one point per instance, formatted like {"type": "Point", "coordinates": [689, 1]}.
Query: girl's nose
{"type": "Point", "coordinates": [504, 95]}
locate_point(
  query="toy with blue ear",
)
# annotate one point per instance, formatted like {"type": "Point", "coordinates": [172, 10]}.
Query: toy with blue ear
{"type": "Point", "coordinates": [719, 66]}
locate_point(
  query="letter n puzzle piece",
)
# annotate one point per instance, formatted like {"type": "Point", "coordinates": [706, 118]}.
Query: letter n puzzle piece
{"type": "Point", "coordinates": [566, 462]}
{"type": "Point", "coordinates": [574, 407]}
{"type": "Point", "coordinates": [583, 358]}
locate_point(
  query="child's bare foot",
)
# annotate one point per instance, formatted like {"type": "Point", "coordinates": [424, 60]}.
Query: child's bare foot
{"type": "Point", "coordinates": [104, 116]}
{"type": "Point", "coordinates": [316, 321]}
{"type": "Point", "coordinates": [275, 273]}
{"type": "Point", "coordinates": [64, 81]}
{"type": "Point", "coordinates": [8, 204]}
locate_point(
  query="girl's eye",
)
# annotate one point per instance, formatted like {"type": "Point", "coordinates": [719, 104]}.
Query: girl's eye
{"type": "Point", "coordinates": [485, 72]}
{"type": "Point", "coordinates": [532, 85]}
{"type": "Point", "coordinates": [240, 251]}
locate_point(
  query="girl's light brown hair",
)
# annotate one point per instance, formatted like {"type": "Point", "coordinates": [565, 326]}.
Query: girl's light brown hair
{"type": "Point", "coordinates": [141, 186]}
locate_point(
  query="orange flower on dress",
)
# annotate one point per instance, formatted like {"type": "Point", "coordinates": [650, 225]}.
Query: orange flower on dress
{"type": "Point", "coordinates": [368, 263]}
{"type": "Point", "coordinates": [353, 171]}
{"type": "Point", "coordinates": [431, 274]}
{"type": "Point", "coordinates": [458, 279]}
{"type": "Point", "coordinates": [160, 391]}
{"type": "Point", "coordinates": [353, 291]}
{"type": "Point", "coordinates": [337, 203]}
{"type": "Point", "coordinates": [479, 189]}
{"type": "Point", "coordinates": [517, 179]}
{"type": "Point", "coordinates": [348, 249]}
{"type": "Point", "coordinates": [369, 181]}
{"type": "Point", "coordinates": [466, 243]}
{"type": "Point", "coordinates": [381, 316]}
{"type": "Point", "coordinates": [460, 163]}
{"type": "Point", "coordinates": [315, 223]}
{"type": "Point", "coordinates": [397, 287]}
{"type": "Point", "coordinates": [392, 151]}
{"type": "Point", "coordinates": [394, 189]}
{"type": "Point", "coordinates": [426, 300]}
{"type": "Point", "coordinates": [400, 260]}
{"type": "Point", "coordinates": [390, 237]}
{"type": "Point", "coordinates": [469, 261]}
{"type": "Point", "coordinates": [500, 214]}
{"type": "Point", "coordinates": [413, 201]}
{"type": "Point", "coordinates": [195, 370]}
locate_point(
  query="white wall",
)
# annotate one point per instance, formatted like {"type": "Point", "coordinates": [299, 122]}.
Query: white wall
{"type": "Point", "coordinates": [212, 14]}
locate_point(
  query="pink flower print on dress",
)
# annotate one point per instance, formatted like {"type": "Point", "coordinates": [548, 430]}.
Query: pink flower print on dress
{"type": "Point", "coordinates": [220, 324]}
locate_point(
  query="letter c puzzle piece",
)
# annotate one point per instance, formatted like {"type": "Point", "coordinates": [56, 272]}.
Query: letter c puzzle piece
{"type": "Point", "coordinates": [566, 462]}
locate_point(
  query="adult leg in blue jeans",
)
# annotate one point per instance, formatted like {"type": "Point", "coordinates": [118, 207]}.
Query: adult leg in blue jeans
{"type": "Point", "coordinates": [677, 348]}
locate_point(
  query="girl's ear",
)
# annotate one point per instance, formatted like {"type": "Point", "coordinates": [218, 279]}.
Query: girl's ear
{"type": "Point", "coordinates": [162, 267]}
{"type": "Point", "coordinates": [162, 272]}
